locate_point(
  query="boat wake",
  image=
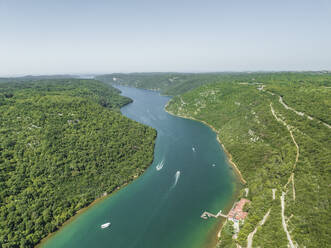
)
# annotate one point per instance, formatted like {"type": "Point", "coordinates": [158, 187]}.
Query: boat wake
{"type": "Point", "coordinates": [159, 166]}
{"type": "Point", "coordinates": [177, 175]}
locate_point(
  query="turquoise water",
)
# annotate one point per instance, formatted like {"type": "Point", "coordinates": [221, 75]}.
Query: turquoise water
{"type": "Point", "coordinates": [161, 208]}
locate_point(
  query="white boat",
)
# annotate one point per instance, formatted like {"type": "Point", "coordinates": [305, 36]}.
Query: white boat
{"type": "Point", "coordinates": [160, 165]}
{"type": "Point", "coordinates": [193, 149]}
{"type": "Point", "coordinates": [105, 225]}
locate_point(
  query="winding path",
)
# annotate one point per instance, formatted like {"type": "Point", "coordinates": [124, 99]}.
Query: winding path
{"type": "Point", "coordinates": [301, 113]}
{"type": "Point", "coordinates": [284, 224]}
{"type": "Point", "coordinates": [181, 99]}
{"type": "Point", "coordinates": [292, 109]}
{"type": "Point", "coordinates": [291, 178]}
{"type": "Point", "coordinates": [261, 223]}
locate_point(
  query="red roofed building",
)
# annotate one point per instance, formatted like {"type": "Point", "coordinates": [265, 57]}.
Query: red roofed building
{"type": "Point", "coordinates": [237, 213]}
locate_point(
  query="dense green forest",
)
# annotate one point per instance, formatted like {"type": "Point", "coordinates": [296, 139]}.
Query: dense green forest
{"type": "Point", "coordinates": [277, 149]}
{"type": "Point", "coordinates": [179, 83]}
{"type": "Point", "coordinates": [65, 137]}
{"type": "Point", "coordinates": [63, 144]}
{"type": "Point", "coordinates": [166, 83]}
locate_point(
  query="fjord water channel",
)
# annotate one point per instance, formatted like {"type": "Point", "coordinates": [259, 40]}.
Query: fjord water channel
{"type": "Point", "coordinates": [162, 208]}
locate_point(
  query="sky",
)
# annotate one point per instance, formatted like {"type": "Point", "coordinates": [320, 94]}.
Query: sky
{"type": "Point", "coordinates": [105, 36]}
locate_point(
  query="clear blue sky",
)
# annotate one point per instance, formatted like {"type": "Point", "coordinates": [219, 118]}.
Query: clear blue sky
{"type": "Point", "coordinates": [99, 36]}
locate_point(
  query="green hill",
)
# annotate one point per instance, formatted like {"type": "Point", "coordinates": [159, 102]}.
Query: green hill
{"type": "Point", "coordinates": [178, 83]}
{"type": "Point", "coordinates": [279, 146]}
{"type": "Point", "coordinates": [63, 144]}
{"type": "Point", "coordinates": [166, 83]}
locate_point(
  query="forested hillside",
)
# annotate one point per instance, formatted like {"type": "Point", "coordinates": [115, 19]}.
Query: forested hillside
{"type": "Point", "coordinates": [179, 83]}
{"type": "Point", "coordinates": [166, 83]}
{"type": "Point", "coordinates": [278, 133]}
{"type": "Point", "coordinates": [63, 144]}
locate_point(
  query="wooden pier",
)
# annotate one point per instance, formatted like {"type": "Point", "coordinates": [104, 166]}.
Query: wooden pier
{"type": "Point", "coordinates": [205, 215]}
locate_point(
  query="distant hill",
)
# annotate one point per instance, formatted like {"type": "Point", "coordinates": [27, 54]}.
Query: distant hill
{"type": "Point", "coordinates": [166, 83]}
{"type": "Point", "coordinates": [178, 83]}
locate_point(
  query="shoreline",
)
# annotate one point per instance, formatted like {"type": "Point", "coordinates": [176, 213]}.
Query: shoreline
{"type": "Point", "coordinates": [83, 210]}
{"type": "Point", "coordinates": [71, 219]}
{"type": "Point", "coordinates": [228, 155]}
{"type": "Point", "coordinates": [102, 198]}
{"type": "Point", "coordinates": [99, 199]}
{"type": "Point", "coordinates": [92, 204]}
{"type": "Point", "coordinates": [215, 239]}
{"type": "Point", "coordinates": [241, 181]}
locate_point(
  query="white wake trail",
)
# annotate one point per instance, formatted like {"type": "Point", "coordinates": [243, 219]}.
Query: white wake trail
{"type": "Point", "coordinates": [177, 175]}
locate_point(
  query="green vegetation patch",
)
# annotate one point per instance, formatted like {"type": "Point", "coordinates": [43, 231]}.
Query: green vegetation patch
{"type": "Point", "coordinates": [167, 83]}
{"type": "Point", "coordinates": [265, 153]}
{"type": "Point", "coordinates": [63, 145]}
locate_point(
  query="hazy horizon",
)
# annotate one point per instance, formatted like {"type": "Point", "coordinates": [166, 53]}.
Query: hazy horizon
{"type": "Point", "coordinates": [43, 37]}
{"type": "Point", "coordinates": [179, 72]}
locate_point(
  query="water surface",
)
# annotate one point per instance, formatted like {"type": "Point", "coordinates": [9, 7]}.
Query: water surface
{"type": "Point", "coordinates": [162, 208]}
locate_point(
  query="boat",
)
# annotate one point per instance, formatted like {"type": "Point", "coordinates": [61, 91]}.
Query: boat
{"type": "Point", "coordinates": [160, 165]}
{"type": "Point", "coordinates": [193, 149]}
{"type": "Point", "coordinates": [105, 225]}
